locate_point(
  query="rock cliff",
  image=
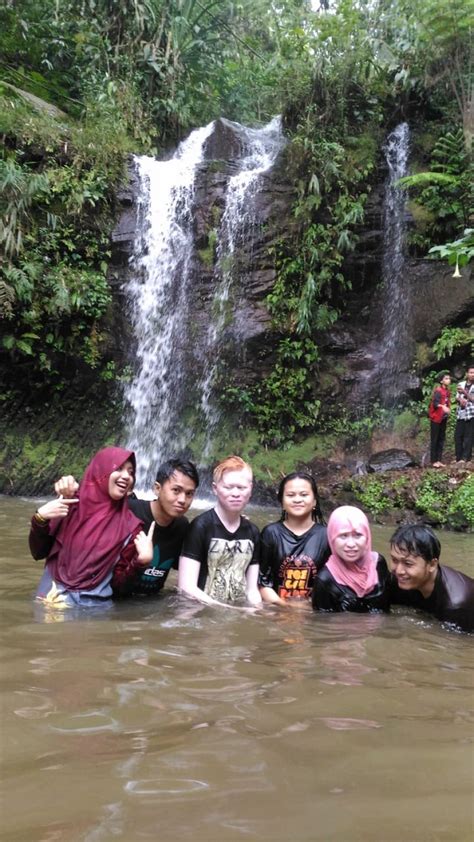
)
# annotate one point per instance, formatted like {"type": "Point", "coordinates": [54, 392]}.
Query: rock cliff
{"type": "Point", "coordinates": [351, 348]}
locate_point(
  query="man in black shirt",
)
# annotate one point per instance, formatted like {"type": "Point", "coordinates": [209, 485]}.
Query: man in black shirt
{"type": "Point", "coordinates": [420, 581]}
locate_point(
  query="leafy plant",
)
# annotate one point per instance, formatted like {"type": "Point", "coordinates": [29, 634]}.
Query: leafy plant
{"type": "Point", "coordinates": [461, 506]}
{"type": "Point", "coordinates": [449, 339]}
{"type": "Point", "coordinates": [459, 252]}
{"type": "Point", "coordinates": [446, 189]}
{"type": "Point", "coordinates": [371, 494]}
{"type": "Point", "coordinates": [432, 497]}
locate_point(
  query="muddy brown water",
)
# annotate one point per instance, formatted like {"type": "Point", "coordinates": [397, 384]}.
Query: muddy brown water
{"type": "Point", "coordinates": [167, 720]}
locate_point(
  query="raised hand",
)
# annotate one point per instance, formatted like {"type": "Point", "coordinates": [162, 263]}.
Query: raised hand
{"type": "Point", "coordinates": [66, 487]}
{"type": "Point", "coordinates": [144, 545]}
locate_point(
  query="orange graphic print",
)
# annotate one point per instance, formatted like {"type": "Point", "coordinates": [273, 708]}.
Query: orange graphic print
{"type": "Point", "coordinates": [296, 577]}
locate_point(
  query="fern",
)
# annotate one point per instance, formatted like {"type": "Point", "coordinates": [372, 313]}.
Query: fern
{"type": "Point", "coordinates": [7, 299]}
{"type": "Point", "coordinates": [424, 179]}
{"type": "Point", "coordinates": [19, 189]}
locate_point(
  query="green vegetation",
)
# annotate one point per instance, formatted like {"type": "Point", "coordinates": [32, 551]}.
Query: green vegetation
{"type": "Point", "coordinates": [461, 506]}
{"type": "Point", "coordinates": [459, 252]}
{"type": "Point", "coordinates": [450, 339]}
{"type": "Point", "coordinates": [433, 496]}
{"type": "Point", "coordinates": [57, 183]}
{"type": "Point", "coordinates": [371, 494]}
{"type": "Point", "coordinates": [445, 195]}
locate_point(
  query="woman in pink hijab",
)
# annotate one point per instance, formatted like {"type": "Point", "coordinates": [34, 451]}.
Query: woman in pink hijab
{"type": "Point", "coordinates": [83, 538]}
{"type": "Point", "coordinates": [354, 578]}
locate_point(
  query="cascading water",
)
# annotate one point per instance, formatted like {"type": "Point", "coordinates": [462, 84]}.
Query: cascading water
{"type": "Point", "coordinates": [260, 149]}
{"type": "Point", "coordinates": [394, 353]}
{"type": "Point", "coordinates": [389, 352]}
{"type": "Point", "coordinates": [160, 289]}
{"type": "Point", "coordinates": [157, 294]}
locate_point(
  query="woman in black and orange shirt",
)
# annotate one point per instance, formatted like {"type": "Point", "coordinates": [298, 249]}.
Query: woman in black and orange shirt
{"type": "Point", "coordinates": [296, 547]}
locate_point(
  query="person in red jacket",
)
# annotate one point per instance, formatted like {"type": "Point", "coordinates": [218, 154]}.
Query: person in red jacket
{"type": "Point", "coordinates": [439, 409]}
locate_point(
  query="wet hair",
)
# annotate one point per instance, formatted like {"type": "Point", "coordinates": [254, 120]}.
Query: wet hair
{"type": "Point", "coordinates": [232, 463]}
{"type": "Point", "coordinates": [417, 540]}
{"type": "Point", "coordinates": [167, 469]}
{"type": "Point", "coordinates": [317, 513]}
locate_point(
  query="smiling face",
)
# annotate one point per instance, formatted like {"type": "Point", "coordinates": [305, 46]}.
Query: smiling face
{"type": "Point", "coordinates": [298, 498]}
{"type": "Point", "coordinates": [233, 490]}
{"type": "Point", "coordinates": [174, 495]}
{"type": "Point", "coordinates": [350, 545]}
{"type": "Point", "coordinates": [121, 481]}
{"type": "Point", "coordinates": [413, 572]}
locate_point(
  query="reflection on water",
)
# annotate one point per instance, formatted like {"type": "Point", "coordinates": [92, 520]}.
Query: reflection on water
{"type": "Point", "coordinates": [169, 720]}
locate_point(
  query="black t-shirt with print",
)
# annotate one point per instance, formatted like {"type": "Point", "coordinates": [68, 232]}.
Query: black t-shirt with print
{"type": "Point", "coordinates": [224, 556]}
{"type": "Point", "coordinates": [289, 562]}
{"type": "Point", "coordinates": [167, 543]}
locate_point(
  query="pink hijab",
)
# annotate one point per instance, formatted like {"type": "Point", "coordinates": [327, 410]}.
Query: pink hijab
{"type": "Point", "coordinates": [89, 539]}
{"type": "Point", "coordinates": [361, 576]}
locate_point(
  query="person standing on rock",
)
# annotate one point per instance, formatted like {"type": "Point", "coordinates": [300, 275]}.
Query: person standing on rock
{"type": "Point", "coordinates": [438, 412]}
{"type": "Point", "coordinates": [464, 432]}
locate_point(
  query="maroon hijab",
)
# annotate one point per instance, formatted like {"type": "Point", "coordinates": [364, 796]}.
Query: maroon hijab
{"type": "Point", "coordinates": [89, 539]}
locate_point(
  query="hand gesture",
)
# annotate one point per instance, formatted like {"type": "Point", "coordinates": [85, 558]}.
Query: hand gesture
{"type": "Point", "coordinates": [144, 545]}
{"type": "Point", "coordinates": [56, 508]}
{"type": "Point", "coordinates": [66, 487]}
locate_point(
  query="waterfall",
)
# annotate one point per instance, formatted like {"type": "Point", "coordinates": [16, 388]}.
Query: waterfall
{"type": "Point", "coordinates": [395, 347]}
{"type": "Point", "coordinates": [260, 149]}
{"type": "Point", "coordinates": [174, 365]}
{"type": "Point", "coordinates": [157, 294]}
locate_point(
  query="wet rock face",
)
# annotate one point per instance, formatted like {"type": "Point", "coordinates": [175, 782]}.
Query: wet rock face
{"type": "Point", "coordinates": [353, 346]}
{"type": "Point", "coordinates": [350, 350]}
{"type": "Point", "coordinates": [247, 332]}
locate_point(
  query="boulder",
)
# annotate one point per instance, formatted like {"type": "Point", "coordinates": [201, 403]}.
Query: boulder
{"type": "Point", "coordinates": [390, 460]}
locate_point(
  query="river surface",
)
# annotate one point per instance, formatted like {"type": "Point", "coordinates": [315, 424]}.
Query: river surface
{"type": "Point", "coordinates": [167, 720]}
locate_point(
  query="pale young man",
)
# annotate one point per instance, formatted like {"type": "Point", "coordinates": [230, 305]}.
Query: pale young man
{"type": "Point", "coordinates": [175, 486]}
{"type": "Point", "coordinates": [221, 552]}
{"type": "Point", "coordinates": [420, 581]}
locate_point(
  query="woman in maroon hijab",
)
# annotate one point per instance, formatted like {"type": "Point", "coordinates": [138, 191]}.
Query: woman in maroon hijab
{"type": "Point", "coordinates": [83, 538]}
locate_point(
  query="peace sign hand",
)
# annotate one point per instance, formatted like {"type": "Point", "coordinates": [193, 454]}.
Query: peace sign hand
{"type": "Point", "coordinates": [144, 545]}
